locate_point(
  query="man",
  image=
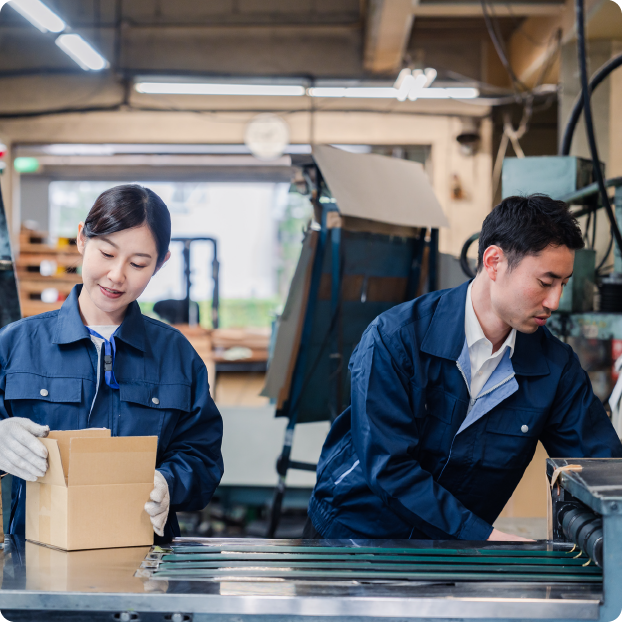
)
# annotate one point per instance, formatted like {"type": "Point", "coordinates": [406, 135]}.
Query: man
{"type": "Point", "coordinates": [452, 391]}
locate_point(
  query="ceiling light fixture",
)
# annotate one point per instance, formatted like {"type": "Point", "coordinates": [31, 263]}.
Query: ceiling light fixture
{"type": "Point", "coordinates": [410, 86]}
{"type": "Point", "coordinates": [420, 81]}
{"type": "Point", "coordinates": [207, 88]}
{"type": "Point", "coordinates": [39, 15]}
{"type": "Point", "coordinates": [373, 92]}
{"type": "Point", "coordinates": [393, 93]}
{"type": "Point", "coordinates": [82, 52]}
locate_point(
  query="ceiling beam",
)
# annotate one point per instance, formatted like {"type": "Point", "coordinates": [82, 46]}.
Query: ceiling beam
{"type": "Point", "coordinates": [474, 9]}
{"type": "Point", "coordinates": [532, 46]}
{"type": "Point", "coordinates": [389, 23]}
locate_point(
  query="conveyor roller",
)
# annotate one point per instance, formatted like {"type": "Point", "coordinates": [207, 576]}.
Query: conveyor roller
{"type": "Point", "coordinates": [585, 529]}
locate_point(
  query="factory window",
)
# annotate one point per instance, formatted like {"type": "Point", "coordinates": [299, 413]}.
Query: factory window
{"type": "Point", "coordinates": [258, 227]}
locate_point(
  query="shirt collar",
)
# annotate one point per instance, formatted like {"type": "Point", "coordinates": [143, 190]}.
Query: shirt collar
{"type": "Point", "coordinates": [473, 329]}
{"type": "Point", "coordinates": [70, 328]}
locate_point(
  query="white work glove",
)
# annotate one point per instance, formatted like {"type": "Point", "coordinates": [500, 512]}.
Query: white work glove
{"type": "Point", "coordinates": [157, 508]}
{"type": "Point", "coordinates": [21, 454]}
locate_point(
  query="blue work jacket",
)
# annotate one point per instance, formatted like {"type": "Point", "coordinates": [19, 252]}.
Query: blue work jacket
{"type": "Point", "coordinates": [48, 373]}
{"type": "Point", "coordinates": [415, 457]}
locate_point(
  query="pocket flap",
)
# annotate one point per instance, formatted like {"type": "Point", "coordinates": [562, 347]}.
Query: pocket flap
{"type": "Point", "coordinates": [167, 396]}
{"type": "Point", "coordinates": [439, 404]}
{"type": "Point", "coordinates": [27, 386]}
{"type": "Point", "coordinates": [515, 422]}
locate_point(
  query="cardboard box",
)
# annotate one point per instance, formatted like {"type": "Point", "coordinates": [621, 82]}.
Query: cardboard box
{"type": "Point", "coordinates": [94, 491]}
{"type": "Point", "coordinates": [103, 570]}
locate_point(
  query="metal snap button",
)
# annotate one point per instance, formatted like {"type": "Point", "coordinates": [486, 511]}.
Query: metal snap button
{"type": "Point", "coordinates": [155, 400]}
{"type": "Point", "coordinates": [524, 429]}
{"type": "Point", "coordinates": [44, 392]}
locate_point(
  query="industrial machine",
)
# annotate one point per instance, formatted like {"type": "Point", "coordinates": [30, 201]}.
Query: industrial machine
{"type": "Point", "coordinates": [365, 255]}
{"type": "Point", "coordinates": [575, 575]}
{"type": "Point", "coordinates": [185, 311]}
{"type": "Point", "coordinates": [9, 297]}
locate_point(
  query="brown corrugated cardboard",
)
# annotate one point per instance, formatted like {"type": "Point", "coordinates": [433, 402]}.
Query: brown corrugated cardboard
{"type": "Point", "coordinates": [105, 570]}
{"type": "Point", "coordinates": [94, 491]}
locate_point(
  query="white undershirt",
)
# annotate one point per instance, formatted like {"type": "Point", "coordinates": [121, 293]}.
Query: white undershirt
{"type": "Point", "coordinates": [483, 361]}
{"type": "Point", "coordinates": [105, 332]}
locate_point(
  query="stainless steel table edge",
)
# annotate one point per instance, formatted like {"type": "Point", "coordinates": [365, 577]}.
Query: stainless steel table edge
{"type": "Point", "coordinates": [370, 608]}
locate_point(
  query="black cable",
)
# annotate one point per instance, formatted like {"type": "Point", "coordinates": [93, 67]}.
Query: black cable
{"type": "Point", "coordinates": [599, 267]}
{"type": "Point", "coordinates": [594, 230]}
{"type": "Point", "coordinates": [598, 173]}
{"type": "Point", "coordinates": [464, 262]}
{"type": "Point", "coordinates": [597, 78]}
{"type": "Point", "coordinates": [586, 236]}
{"type": "Point", "coordinates": [516, 83]}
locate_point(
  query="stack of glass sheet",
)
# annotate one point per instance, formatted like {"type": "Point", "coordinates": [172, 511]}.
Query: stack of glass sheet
{"type": "Point", "coordinates": [368, 563]}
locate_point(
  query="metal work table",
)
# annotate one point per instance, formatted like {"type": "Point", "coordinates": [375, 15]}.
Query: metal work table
{"type": "Point", "coordinates": [95, 584]}
{"type": "Point", "coordinates": [241, 580]}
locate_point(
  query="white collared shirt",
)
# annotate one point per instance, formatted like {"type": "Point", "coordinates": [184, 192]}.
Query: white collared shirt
{"type": "Point", "coordinates": [483, 361]}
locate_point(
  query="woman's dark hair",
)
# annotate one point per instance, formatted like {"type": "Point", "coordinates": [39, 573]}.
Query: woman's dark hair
{"type": "Point", "coordinates": [126, 207]}
{"type": "Point", "coordinates": [526, 226]}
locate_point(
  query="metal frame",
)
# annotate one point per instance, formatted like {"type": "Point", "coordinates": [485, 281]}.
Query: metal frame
{"type": "Point", "coordinates": [333, 237]}
{"type": "Point", "coordinates": [187, 242]}
{"type": "Point", "coordinates": [228, 600]}
{"type": "Point", "coordinates": [605, 501]}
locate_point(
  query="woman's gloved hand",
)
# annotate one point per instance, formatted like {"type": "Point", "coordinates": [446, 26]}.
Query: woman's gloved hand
{"type": "Point", "coordinates": [157, 507]}
{"type": "Point", "coordinates": [21, 454]}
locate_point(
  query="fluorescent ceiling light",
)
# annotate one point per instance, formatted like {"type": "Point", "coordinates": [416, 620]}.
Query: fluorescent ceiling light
{"type": "Point", "coordinates": [410, 83]}
{"type": "Point", "coordinates": [462, 92]}
{"type": "Point", "coordinates": [82, 52]}
{"type": "Point", "coordinates": [393, 93]}
{"type": "Point", "coordinates": [39, 15]}
{"type": "Point", "coordinates": [374, 92]}
{"type": "Point", "coordinates": [419, 82]}
{"type": "Point", "coordinates": [430, 76]}
{"type": "Point", "coordinates": [206, 88]}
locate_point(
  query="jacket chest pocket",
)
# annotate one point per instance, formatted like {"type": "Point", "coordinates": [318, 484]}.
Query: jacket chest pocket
{"type": "Point", "coordinates": [511, 437]}
{"type": "Point", "coordinates": [152, 409]}
{"type": "Point", "coordinates": [47, 401]}
{"type": "Point", "coordinates": [434, 422]}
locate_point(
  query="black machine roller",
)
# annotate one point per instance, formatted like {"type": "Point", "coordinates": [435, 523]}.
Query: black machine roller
{"type": "Point", "coordinates": [583, 527]}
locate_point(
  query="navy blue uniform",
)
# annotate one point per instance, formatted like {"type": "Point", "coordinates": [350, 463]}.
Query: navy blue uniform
{"type": "Point", "coordinates": [414, 456]}
{"type": "Point", "coordinates": [48, 373]}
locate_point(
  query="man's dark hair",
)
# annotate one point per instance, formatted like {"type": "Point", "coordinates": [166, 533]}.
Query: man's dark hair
{"type": "Point", "coordinates": [526, 226]}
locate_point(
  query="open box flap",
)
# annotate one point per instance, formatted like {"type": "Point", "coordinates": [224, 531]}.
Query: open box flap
{"type": "Point", "coordinates": [116, 460]}
{"type": "Point", "coordinates": [55, 474]}
{"type": "Point", "coordinates": [379, 188]}
{"type": "Point", "coordinates": [64, 436]}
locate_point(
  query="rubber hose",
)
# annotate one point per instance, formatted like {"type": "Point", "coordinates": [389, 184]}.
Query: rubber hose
{"type": "Point", "coordinates": [577, 108]}
{"type": "Point", "coordinates": [598, 173]}
{"type": "Point", "coordinates": [464, 262]}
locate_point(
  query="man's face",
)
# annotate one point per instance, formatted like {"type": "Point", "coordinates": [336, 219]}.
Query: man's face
{"type": "Point", "coordinates": [525, 296]}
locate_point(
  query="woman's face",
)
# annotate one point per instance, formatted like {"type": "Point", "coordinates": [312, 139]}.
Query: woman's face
{"type": "Point", "coordinates": [116, 268]}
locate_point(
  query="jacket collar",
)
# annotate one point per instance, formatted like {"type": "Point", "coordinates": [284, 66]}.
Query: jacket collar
{"type": "Point", "coordinates": [70, 328]}
{"type": "Point", "coordinates": [445, 336]}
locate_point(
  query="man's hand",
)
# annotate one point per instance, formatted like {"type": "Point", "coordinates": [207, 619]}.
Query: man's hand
{"type": "Point", "coordinates": [500, 536]}
{"type": "Point", "coordinates": [21, 454]}
{"type": "Point", "coordinates": [157, 507]}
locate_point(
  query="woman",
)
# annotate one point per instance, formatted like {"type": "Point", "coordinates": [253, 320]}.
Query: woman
{"type": "Point", "coordinates": [99, 363]}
